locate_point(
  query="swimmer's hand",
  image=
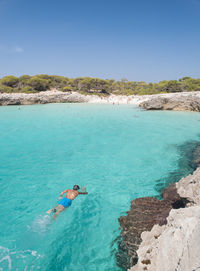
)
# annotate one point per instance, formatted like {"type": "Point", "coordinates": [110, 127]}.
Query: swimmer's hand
{"type": "Point", "coordinates": [82, 193]}
{"type": "Point", "coordinates": [60, 197]}
{"type": "Point", "coordinates": [83, 189]}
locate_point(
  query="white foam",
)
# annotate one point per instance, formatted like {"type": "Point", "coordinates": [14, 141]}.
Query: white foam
{"type": "Point", "coordinates": [17, 257]}
{"type": "Point", "coordinates": [34, 253]}
{"type": "Point", "coordinates": [9, 261]}
{"type": "Point", "coordinates": [41, 223]}
{"type": "Point", "coordinates": [4, 248]}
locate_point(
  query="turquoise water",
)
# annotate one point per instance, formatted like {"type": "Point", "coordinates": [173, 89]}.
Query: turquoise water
{"type": "Point", "coordinates": [117, 152]}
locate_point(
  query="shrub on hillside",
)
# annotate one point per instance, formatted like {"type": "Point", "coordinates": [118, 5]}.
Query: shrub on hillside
{"type": "Point", "coordinates": [59, 82]}
{"type": "Point", "coordinates": [88, 85]}
{"type": "Point", "coordinates": [10, 81]}
{"type": "Point", "coordinates": [5, 89]}
{"type": "Point", "coordinates": [67, 89]}
{"type": "Point", "coordinates": [24, 78]}
{"type": "Point", "coordinates": [91, 85]}
{"type": "Point", "coordinates": [38, 83]}
{"type": "Point", "coordinates": [27, 89]}
{"type": "Point", "coordinates": [191, 84]}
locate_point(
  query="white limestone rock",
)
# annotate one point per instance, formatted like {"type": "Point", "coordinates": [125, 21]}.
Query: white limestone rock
{"type": "Point", "coordinates": [41, 98]}
{"type": "Point", "coordinates": [172, 247]}
{"type": "Point", "coordinates": [189, 187]}
{"type": "Point", "coordinates": [176, 245]}
{"type": "Point", "coordinates": [176, 101]}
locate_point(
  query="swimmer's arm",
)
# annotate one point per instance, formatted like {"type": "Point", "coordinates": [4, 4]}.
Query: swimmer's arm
{"type": "Point", "coordinates": [82, 193]}
{"type": "Point", "coordinates": [63, 192]}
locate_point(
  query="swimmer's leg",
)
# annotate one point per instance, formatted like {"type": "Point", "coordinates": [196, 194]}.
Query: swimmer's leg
{"type": "Point", "coordinates": [52, 210]}
{"type": "Point", "coordinates": [59, 209]}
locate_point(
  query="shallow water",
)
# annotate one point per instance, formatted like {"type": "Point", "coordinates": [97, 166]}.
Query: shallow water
{"type": "Point", "coordinates": [117, 152]}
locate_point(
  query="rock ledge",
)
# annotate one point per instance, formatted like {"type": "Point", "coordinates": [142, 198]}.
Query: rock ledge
{"type": "Point", "coordinates": [175, 246]}
{"type": "Point", "coordinates": [179, 102]}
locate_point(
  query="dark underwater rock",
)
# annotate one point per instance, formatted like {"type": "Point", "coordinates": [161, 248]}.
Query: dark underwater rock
{"type": "Point", "coordinates": [148, 211]}
{"type": "Point", "coordinates": [143, 215]}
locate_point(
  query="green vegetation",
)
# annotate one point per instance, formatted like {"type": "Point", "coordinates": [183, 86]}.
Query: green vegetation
{"type": "Point", "coordinates": [87, 85]}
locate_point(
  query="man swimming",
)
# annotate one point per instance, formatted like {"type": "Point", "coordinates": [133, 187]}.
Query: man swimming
{"type": "Point", "coordinates": [67, 200]}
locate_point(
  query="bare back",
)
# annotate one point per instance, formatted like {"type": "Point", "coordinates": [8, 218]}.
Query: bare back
{"type": "Point", "coordinates": [71, 194]}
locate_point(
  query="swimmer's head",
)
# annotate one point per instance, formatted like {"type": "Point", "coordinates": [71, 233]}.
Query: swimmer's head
{"type": "Point", "coordinates": [76, 187]}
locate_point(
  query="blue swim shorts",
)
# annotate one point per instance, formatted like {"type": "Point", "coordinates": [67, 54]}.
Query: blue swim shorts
{"type": "Point", "coordinates": [65, 202]}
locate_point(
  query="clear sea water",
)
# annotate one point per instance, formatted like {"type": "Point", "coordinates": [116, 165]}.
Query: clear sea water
{"type": "Point", "coordinates": [117, 152]}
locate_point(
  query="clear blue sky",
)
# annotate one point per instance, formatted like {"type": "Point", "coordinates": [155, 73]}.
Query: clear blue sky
{"type": "Point", "coordinates": [142, 40]}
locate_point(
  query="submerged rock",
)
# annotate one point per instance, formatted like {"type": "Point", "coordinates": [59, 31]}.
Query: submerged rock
{"type": "Point", "coordinates": [197, 156]}
{"type": "Point", "coordinates": [188, 162]}
{"type": "Point", "coordinates": [143, 215]}
{"type": "Point", "coordinates": [147, 212]}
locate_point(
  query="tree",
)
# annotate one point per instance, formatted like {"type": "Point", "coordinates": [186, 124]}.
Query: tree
{"type": "Point", "coordinates": [38, 83]}
{"type": "Point", "coordinates": [10, 81]}
{"type": "Point", "coordinates": [173, 86]}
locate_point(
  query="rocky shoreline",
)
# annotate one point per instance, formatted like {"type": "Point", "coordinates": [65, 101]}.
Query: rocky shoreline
{"type": "Point", "coordinates": [41, 98]}
{"type": "Point", "coordinates": [187, 101]}
{"type": "Point", "coordinates": [176, 244]}
{"type": "Point", "coordinates": [163, 234]}
{"type": "Point", "coordinates": [182, 102]}
{"type": "Point", "coordinates": [55, 96]}
{"type": "Point", "coordinates": [143, 215]}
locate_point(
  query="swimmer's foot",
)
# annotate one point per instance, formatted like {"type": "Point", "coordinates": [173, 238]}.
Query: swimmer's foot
{"type": "Point", "coordinates": [53, 210]}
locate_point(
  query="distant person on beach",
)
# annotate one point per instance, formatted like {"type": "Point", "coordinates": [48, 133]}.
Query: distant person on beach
{"type": "Point", "coordinates": [66, 202]}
